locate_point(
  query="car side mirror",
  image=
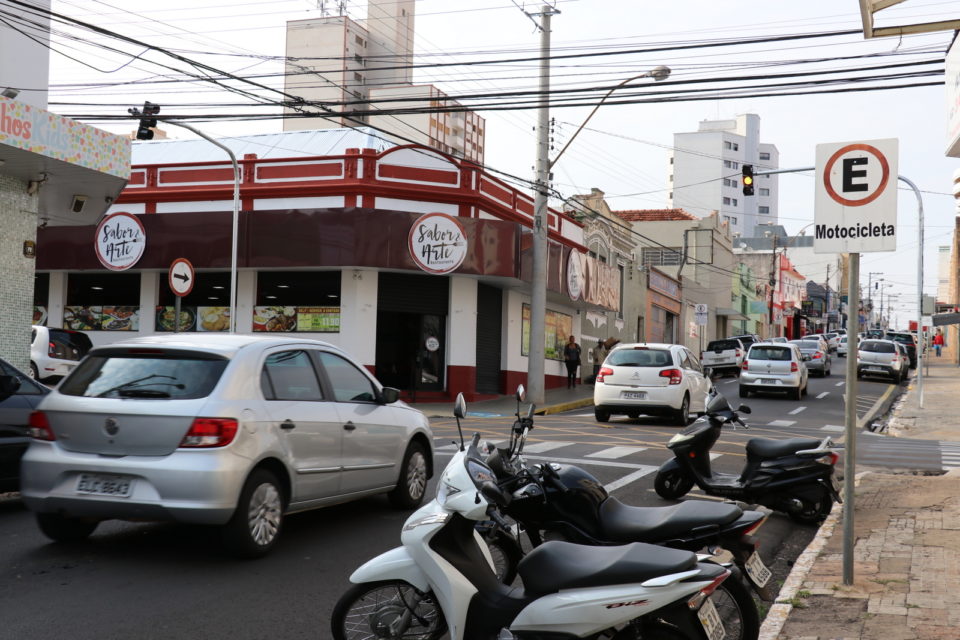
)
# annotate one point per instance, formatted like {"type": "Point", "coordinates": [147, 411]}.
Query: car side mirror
{"type": "Point", "coordinates": [521, 393]}
{"type": "Point", "coordinates": [9, 385]}
{"type": "Point", "coordinates": [389, 395]}
{"type": "Point", "coordinates": [460, 407]}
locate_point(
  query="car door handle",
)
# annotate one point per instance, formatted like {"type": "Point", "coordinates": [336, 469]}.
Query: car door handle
{"type": "Point", "coordinates": [349, 426]}
{"type": "Point", "coordinates": [287, 424]}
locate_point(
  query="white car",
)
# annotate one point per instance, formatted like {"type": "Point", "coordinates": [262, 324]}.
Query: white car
{"type": "Point", "coordinates": [55, 352]}
{"type": "Point", "coordinates": [774, 368]}
{"type": "Point", "coordinates": [843, 346]}
{"type": "Point", "coordinates": [650, 379]}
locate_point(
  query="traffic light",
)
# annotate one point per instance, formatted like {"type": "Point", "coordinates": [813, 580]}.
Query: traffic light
{"type": "Point", "coordinates": [148, 120]}
{"type": "Point", "coordinates": [747, 179]}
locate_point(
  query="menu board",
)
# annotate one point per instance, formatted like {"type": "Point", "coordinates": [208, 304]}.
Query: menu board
{"type": "Point", "coordinates": [194, 318]}
{"type": "Point", "coordinates": [101, 318]}
{"type": "Point", "coordinates": [297, 319]}
{"type": "Point", "coordinates": [557, 327]}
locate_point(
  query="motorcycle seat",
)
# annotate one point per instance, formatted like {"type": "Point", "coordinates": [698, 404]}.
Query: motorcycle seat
{"type": "Point", "coordinates": [556, 565]}
{"type": "Point", "coordinates": [624, 523]}
{"type": "Point", "coordinates": [768, 448]}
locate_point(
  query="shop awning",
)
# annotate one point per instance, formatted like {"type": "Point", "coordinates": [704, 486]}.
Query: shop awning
{"type": "Point", "coordinates": [731, 314]}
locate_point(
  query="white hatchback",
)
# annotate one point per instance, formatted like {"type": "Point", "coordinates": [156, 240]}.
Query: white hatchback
{"type": "Point", "coordinates": [650, 379]}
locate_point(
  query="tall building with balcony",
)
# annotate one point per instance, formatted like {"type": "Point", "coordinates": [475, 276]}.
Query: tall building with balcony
{"type": "Point", "coordinates": [705, 169]}
{"type": "Point", "coordinates": [366, 66]}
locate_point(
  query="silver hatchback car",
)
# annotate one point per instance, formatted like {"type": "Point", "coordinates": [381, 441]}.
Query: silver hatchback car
{"type": "Point", "coordinates": [222, 430]}
{"type": "Point", "coordinates": [774, 367]}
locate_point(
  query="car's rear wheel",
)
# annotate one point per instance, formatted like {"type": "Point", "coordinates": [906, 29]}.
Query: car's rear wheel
{"type": "Point", "coordinates": [412, 484]}
{"type": "Point", "coordinates": [60, 528]}
{"type": "Point", "coordinates": [795, 394]}
{"type": "Point", "coordinates": [682, 416]}
{"type": "Point", "coordinates": [34, 372]}
{"type": "Point", "coordinates": [256, 523]}
{"type": "Point", "coordinates": [633, 415]}
{"type": "Point", "coordinates": [602, 415]}
{"type": "Point", "coordinates": [744, 393]}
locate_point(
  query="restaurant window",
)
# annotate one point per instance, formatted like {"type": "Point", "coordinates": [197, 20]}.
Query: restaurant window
{"type": "Point", "coordinates": [205, 308]}
{"type": "Point", "coordinates": [41, 297]}
{"type": "Point", "coordinates": [301, 301]}
{"type": "Point", "coordinates": [102, 302]}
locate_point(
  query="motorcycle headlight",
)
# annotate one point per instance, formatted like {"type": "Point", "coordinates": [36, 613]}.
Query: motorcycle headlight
{"type": "Point", "coordinates": [680, 437]}
{"type": "Point", "coordinates": [444, 491]}
{"type": "Point", "coordinates": [480, 473]}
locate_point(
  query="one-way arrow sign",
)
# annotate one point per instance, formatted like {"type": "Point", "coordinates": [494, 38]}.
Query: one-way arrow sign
{"type": "Point", "coordinates": [181, 277]}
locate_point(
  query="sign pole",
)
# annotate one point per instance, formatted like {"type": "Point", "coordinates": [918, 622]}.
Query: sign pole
{"type": "Point", "coordinates": [850, 424]}
{"type": "Point", "coordinates": [176, 315]}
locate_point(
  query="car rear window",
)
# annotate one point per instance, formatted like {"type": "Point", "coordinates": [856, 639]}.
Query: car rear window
{"type": "Point", "coordinates": [770, 353]}
{"type": "Point", "coordinates": [807, 345]}
{"type": "Point", "coordinates": [902, 338]}
{"type": "Point", "coordinates": [723, 345]}
{"type": "Point", "coordinates": [640, 358]}
{"type": "Point", "coordinates": [874, 346]}
{"type": "Point", "coordinates": [69, 345]}
{"type": "Point", "coordinates": [146, 376]}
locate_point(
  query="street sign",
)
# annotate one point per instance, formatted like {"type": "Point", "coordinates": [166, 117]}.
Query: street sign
{"type": "Point", "coordinates": [181, 277]}
{"type": "Point", "coordinates": [700, 311]}
{"type": "Point", "coordinates": [943, 319]}
{"type": "Point", "coordinates": [856, 197]}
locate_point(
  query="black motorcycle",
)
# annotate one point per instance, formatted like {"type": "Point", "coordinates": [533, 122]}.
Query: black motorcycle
{"type": "Point", "coordinates": [564, 502]}
{"type": "Point", "coordinates": [795, 476]}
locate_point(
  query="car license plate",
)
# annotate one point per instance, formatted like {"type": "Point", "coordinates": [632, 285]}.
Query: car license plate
{"type": "Point", "coordinates": [104, 484]}
{"type": "Point", "coordinates": [768, 381]}
{"type": "Point", "coordinates": [710, 619]}
{"type": "Point", "coordinates": [634, 395]}
{"type": "Point", "coordinates": [757, 571]}
{"type": "Point", "coordinates": [877, 369]}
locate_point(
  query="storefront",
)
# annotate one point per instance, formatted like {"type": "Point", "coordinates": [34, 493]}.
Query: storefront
{"type": "Point", "coordinates": [664, 307]}
{"type": "Point", "coordinates": [415, 264]}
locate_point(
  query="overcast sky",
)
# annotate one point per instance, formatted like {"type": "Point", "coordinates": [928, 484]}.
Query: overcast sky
{"type": "Point", "coordinates": [624, 152]}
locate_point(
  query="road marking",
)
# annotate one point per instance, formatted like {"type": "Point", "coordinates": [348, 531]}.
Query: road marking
{"type": "Point", "coordinates": [839, 384]}
{"type": "Point", "coordinates": [588, 461]}
{"type": "Point", "coordinates": [714, 456]}
{"type": "Point", "coordinates": [823, 395]}
{"type": "Point", "coordinates": [797, 410]}
{"type": "Point", "coordinates": [615, 452]}
{"type": "Point", "coordinates": [543, 447]}
{"type": "Point", "coordinates": [730, 381]}
{"type": "Point", "coordinates": [782, 423]}
{"type": "Point", "coordinates": [833, 427]}
{"type": "Point", "coordinates": [627, 479]}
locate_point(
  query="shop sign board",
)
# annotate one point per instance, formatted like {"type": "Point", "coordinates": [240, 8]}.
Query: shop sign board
{"type": "Point", "coordinates": [575, 274]}
{"type": "Point", "coordinates": [437, 243]}
{"type": "Point", "coordinates": [856, 197]}
{"type": "Point", "coordinates": [120, 241]}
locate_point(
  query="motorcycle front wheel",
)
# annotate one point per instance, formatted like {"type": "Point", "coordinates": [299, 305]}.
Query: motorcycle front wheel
{"type": "Point", "coordinates": [671, 485]}
{"type": "Point", "coordinates": [391, 609]}
{"type": "Point", "coordinates": [506, 554]}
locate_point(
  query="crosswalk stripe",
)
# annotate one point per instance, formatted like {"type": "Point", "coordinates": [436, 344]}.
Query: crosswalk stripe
{"type": "Point", "coordinates": [714, 456]}
{"type": "Point", "coordinates": [615, 452]}
{"type": "Point", "coordinates": [797, 410]}
{"type": "Point", "coordinates": [542, 447]}
{"type": "Point", "coordinates": [823, 395]}
{"type": "Point", "coordinates": [832, 427]}
{"type": "Point", "coordinates": [839, 384]}
{"type": "Point", "coordinates": [627, 479]}
{"type": "Point", "coordinates": [782, 423]}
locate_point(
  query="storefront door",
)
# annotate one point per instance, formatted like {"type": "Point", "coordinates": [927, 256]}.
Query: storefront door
{"type": "Point", "coordinates": [410, 350]}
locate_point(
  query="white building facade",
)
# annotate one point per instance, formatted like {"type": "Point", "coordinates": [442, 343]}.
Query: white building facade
{"type": "Point", "coordinates": [705, 170]}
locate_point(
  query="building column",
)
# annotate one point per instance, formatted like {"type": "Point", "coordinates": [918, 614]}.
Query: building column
{"type": "Point", "coordinates": [246, 299]}
{"type": "Point", "coordinates": [461, 347]}
{"type": "Point", "coordinates": [358, 314]}
{"type": "Point", "coordinates": [56, 298]}
{"type": "Point", "coordinates": [18, 219]}
{"type": "Point", "coordinates": [149, 296]}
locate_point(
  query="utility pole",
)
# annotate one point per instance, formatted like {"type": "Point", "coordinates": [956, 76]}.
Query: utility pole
{"type": "Point", "coordinates": [827, 309]}
{"type": "Point", "coordinates": [538, 281]}
{"type": "Point", "coordinates": [774, 273]}
{"type": "Point", "coordinates": [870, 294]}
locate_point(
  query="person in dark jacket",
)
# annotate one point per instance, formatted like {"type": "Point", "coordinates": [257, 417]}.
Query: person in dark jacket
{"type": "Point", "coordinates": [571, 356]}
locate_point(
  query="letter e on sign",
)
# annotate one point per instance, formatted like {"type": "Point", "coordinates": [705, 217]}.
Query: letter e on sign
{"type": "Point", "coordinates": [856, 197]}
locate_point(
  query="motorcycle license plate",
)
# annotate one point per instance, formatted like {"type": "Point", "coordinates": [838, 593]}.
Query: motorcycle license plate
{"type": "Point", "coordinates": [634, 395]}
{"type": "Point", "coordinates": [710, 619]}
{"type": "Point", "coordinates": [757, 571]}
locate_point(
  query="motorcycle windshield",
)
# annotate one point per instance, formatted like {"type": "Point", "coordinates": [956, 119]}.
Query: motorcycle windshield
{"type": "Point", "coordinates": [716, 403]}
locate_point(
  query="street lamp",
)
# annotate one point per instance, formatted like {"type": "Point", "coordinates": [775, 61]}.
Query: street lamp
{"type": "Point", "coordinates": [538, 281]}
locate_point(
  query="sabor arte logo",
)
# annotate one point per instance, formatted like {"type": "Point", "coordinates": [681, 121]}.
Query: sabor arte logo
{"type": "Point", "coordinates": [437, 243]}
{"type": "Point", "coordinates": [120, 241]}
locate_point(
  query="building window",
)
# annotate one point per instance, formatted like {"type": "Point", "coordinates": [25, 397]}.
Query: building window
{"type": "Point", "coordinates": [727, 145]}
{"type": "Point", "coordinates": [206, 308]}
{"type": "Point", "coordinates": [656, 256]}
{"type": "Point", "coordinates": [358, 78]}
{"type": "Point", "coordinates": [726, 200]}
{"type": "Point", "coordinates": [671, 159]}
{"type": "Point", "coordinates": [359, 41]}
{"type": "Point", "coordinates": [733, 146]}
{"type": "Point", "coordinates": [301, 301]}
{"type": "Point", "coordinates": [764, 155]}
{"type": "Point", "coordinates": [764, 192]}
{"type": "Point", "coordinates": [764, 209]}
{"type": "Point", "coordinates": [730, 182]}
{"type": "Point", "coordinates": [733, 219]}
{"type": "Point", "coordinates": [736, 147]}
{"type": "Point", "coordinates": [735, 203]}
{"type": "Point", "coordinates": [730, 164]}
{"type": "Point", "coordinates": [102, 302]}
{"type": "Point", "coordinates": [671, 177]}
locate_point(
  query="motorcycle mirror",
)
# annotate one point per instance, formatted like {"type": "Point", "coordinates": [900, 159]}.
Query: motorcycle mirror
{"type": "Point", "coordinates": [495, 494]}
{"type": "Point", "coordinates": [521, 393]}
{"type": "Point", "coordinates": [745, 409]}
{"type": "Point", "coordinates": [460, 407]}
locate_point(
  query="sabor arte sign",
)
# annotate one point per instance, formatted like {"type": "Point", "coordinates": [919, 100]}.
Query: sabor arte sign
{"type": "Point", "coordinates": [120, 241]}
{"type": "Point", "coordinates": [856, 197]}
{"type": "Point", "coordinates": [437, 243]}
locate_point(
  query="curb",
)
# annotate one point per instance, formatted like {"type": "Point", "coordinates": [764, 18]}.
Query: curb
{"type": "Point", "coordinates": [880, 406]}
{"type": "Point", "coordinates": [780, 611]}
{"type": "Point", "coordinates": [564, 406]}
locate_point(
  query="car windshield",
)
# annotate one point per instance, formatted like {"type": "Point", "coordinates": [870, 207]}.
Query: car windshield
{"type": "Point", "coordinates": [640, 358]}
{"type": "Point", "coordinates": [904, 338]}
{"type": "Point", "coordinates": [149, 377]}
{"type": "Point", "coordinates": [769, 353]}
{"type": "Point", "coordinates": [876, 346]}
{"type": "Point", "coordinates": [806, 345]}
{"type": "Point", "coordinates": [723, 345]}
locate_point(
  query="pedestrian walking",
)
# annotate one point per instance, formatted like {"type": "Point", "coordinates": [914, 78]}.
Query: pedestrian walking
{"type": "Point", "coordinates": [571, 356]}
{"type": "Point", "coordinates": [599, 354]}
{"type": "Point", "coordinates": [938, 342]}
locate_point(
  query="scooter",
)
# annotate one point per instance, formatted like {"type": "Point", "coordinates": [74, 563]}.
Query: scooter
{"type": "Point", "coordinates": [795, 476]}
{"type": "Point", "coordinates": [442, 581]}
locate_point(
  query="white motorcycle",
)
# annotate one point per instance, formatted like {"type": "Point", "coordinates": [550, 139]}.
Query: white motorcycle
{"type": "Point", "coordinates": [442, 579]}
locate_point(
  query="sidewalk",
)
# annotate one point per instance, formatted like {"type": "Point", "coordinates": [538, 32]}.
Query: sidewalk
{"type": "Point", "coordinates": [907, 545]}
{"type": "Point", "coordinates": [556, 401]}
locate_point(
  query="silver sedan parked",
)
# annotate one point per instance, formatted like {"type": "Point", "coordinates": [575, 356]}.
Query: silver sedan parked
{"type": "Point", "coordinates": [225, 430]}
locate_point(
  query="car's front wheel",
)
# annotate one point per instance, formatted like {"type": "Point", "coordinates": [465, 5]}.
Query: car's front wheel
{"type": "Point", "coordinates": [602, 415]}
{"type": "Point", "coordinates": [60, 528]}
{"type": "Point", "coordinates": [256, 523]}
{"type": "Point", "coordinates": [412, 484]}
